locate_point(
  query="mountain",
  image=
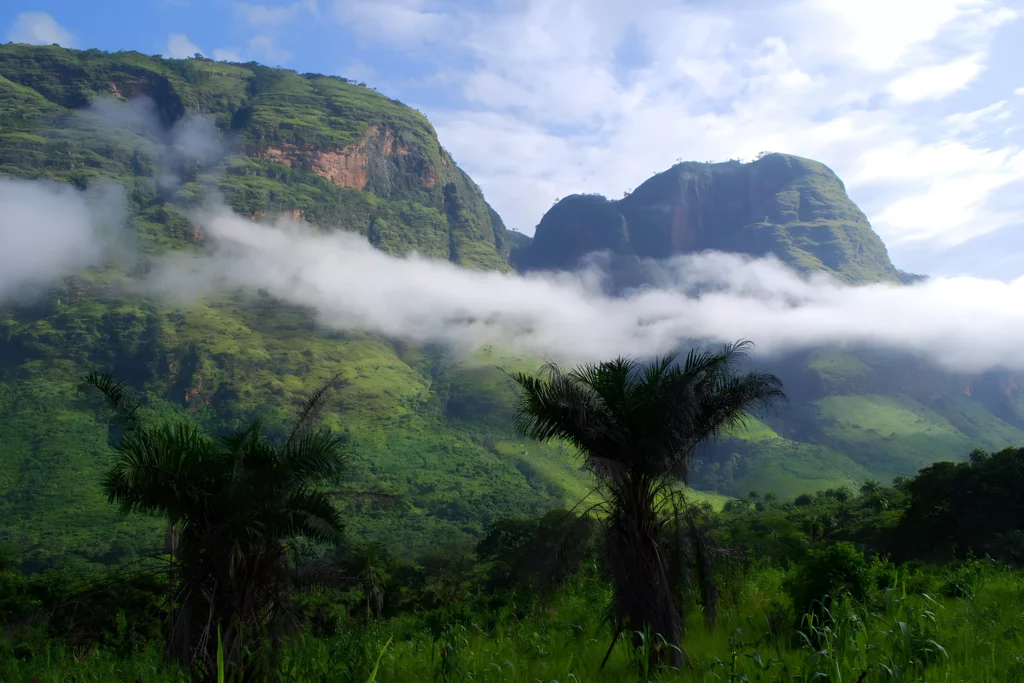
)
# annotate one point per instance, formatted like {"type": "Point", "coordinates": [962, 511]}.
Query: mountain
{"type": "Point", "coordinates": [854, 413]}
{"type": "Point", "coordinates": [794, 208]}
{"type": "Point", "coordinates": [321, 148]}
{"type": "Point", "coordinates": [436, 432]}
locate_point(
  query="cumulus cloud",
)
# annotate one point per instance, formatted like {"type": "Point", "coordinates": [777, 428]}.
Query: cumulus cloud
{"type": "Point", "coordinates": [406, 23]}
{"type": "Point", "coordinates": [48, 229]}
{"type": "Point", "coordinates": [180, 47]}
{"type": "Point", "coordinates": [935, 82]}
{"type": "Point", "coordinates": [266, 49]}
{"type": "Point", "coordinates": [39, 28]}
{"type": "Point", "coordinates": [962, 323]}
{"type": "Point", "coordinates": [595, 96]}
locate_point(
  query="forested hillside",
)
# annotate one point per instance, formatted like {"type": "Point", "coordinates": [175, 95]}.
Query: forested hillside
{"type": "Point", "coordinates": [227, 489]}
{"type": "Point", "coordinates": [334, 153]}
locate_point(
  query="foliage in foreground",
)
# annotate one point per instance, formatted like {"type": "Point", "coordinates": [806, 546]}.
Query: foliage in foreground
{"type": "Point", "coordinates": [800, 601]}
{"type": "Point", "coordinates": [893, 636]}
{"type": "Point", "coordinates": [636, 426]}
{"type": "Point", "coordinates": [230, 504]}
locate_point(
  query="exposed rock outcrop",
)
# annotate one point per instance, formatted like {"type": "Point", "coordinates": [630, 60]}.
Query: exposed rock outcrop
{"type": "Point", "coordinates": [794, 208]}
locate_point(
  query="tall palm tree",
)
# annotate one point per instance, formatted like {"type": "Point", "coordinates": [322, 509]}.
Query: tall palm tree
{"type": "Point", "coordinates": [637, 427]}
{"type": "Point", "coordinates": [231, 504]}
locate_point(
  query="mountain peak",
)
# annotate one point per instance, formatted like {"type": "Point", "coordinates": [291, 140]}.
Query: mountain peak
{"type": "Point", "coordinates": [789, 206]}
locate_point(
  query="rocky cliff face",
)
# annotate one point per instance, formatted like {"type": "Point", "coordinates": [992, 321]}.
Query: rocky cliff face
{"type": "Point", "coordinates": [794, 208]}
{"type": "Point", "coordinates": [299, 143]}
{"type": "Point", "coordinates": [333, 153]}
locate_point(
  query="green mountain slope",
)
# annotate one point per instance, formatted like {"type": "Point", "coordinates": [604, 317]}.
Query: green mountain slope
{"type": "Point", "coordinates": [794, 208]}
{"type": "Point", "coordinates": [332, 152]}
{"type": "Point", "coordinates": [854, 413]}
{"type": "Point", "coordinates": [422, 426]}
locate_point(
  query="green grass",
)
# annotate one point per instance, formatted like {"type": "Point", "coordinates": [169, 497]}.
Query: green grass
{"type": "Point", "coordinates": [842, 372]}
{"type": "Point", "coordinates": [775, 465]}
{"type": "Point", "coordinates": [889, 435]}
{"type": "Point", "coordinates": [753, 430]}
{"type": "Point", "coordinates": [909, 638]}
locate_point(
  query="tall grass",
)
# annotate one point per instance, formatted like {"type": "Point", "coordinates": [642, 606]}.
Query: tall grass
{"type": "Point", "coordinates": [902, 636]}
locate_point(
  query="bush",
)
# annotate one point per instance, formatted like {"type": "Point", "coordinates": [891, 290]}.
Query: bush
{"type": "Point", "coordinates": [962, 579]}
{"type": "Point", "coordinates": [839, 569]}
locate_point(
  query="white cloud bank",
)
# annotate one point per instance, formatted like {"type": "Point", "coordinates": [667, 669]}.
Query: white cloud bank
{"type": "Point", "coordinates": [964, 324]}
{"type": "Point", "coordinates": [180, 47]}
{"type": "Point", "coordinates": [47, 229]}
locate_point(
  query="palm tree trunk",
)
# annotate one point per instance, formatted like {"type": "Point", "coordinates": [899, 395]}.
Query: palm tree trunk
{"type": "Point", "coordinates": [643, 599]}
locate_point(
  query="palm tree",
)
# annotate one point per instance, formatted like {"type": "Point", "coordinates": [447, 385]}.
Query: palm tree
{"type": "Point", "coordinates": [231, 503]}
{"type": "Point", "coordinates": [874, 494]}
{"type": "Point", "coordinates": [637, 427]}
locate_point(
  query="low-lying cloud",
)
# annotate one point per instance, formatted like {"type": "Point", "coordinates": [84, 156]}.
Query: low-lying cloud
{"type": "Point", "coordinates": [47, 229]}
{"type": "Point", "coordinates": [964, 324]}
{"type": "Point", "coordinates": [191, 144]}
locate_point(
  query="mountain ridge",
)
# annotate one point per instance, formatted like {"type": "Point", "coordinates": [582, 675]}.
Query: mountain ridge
{"type": "Point", "coordinates": [794, 208]}
{"type": "Point", "coordinates": [855, 413]}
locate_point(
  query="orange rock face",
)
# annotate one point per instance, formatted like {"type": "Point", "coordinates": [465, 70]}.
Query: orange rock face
{"type": "Point", "coordinates": [429, 179]}
{"type": "Point", "coordinates": [345, 167]}
{"type": "Point", "coordinates": [128, 88]}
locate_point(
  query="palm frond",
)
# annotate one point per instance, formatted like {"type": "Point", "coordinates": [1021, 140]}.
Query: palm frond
{"type": "Point", "coordinates": [120, 399]}
{"type": "Point", "coordinates": [316, 457]}
{"type": "Point", "coordinates": [311, 514]}
{"type": "Point", "coordinates": [312, 405]}
{"type": "Point", "coordinates": [160, 471]}
{"type": "Point", "coordinates": [561, 406]}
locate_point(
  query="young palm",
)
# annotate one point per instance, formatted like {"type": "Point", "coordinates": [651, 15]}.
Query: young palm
{"type": "Point", "coordinates": [230, 504]}
{"type": "Point", "coordinates": [637, 427]}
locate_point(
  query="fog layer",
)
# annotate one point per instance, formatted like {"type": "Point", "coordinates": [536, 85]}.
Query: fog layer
{"type": "Point", "coordinates": [964, 324]}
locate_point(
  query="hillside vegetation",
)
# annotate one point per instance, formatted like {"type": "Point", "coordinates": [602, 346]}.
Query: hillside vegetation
{"type": "Point", "coordinates": [331, 152]}
{"type": "Point", "coordinates": [433, 430]}
{"type": "Point", "coordinates": [854, 413]}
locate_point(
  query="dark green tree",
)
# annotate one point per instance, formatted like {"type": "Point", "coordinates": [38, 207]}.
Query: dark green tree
{"type": "Point", "coordinates": [637, 427]}
{"type": "Point", "coordinates": [231, 504]}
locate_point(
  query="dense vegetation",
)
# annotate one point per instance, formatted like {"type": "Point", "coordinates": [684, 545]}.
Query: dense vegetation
{"type": "Point", "coordinates": [335, 153]}
{"type": "Point", "coordinates": [473, 570]}
{"type": "Point", "coordinates": [911, 582]}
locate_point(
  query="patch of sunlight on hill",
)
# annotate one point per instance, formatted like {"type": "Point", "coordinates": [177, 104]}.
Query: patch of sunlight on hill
{"type": "Point", "coordinates": [753, 430]}
{"type": "Point", "coordinates": [889, 435]}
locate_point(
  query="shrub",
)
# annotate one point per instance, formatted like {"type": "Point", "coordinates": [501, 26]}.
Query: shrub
{"type": "Point", "coordinates": [961, 580]}
{"type": "Point", "coordinates": [839, 569]}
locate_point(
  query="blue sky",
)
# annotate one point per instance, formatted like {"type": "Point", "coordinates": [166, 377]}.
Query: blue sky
{"type": "Point", "coordinates": [917, 104]}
